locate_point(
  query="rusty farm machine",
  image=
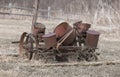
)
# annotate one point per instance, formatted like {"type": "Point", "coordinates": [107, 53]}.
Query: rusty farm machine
{"type": "Point", "coordinates": [64, 40]}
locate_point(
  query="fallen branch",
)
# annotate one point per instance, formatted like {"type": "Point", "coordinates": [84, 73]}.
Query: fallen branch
{"type": "Point", "coordinates": [14, 42]}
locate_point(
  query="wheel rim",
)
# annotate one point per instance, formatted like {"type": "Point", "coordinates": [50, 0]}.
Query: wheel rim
{"type": "Point", "coordinates": [22, 41]}
{"type": "Point", "coordinates": [27, 45]}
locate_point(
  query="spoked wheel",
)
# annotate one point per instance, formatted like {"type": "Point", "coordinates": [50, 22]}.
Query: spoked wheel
{"type": "Point", "coordinates": [27, 45]}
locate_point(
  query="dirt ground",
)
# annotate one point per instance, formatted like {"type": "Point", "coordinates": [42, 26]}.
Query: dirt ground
{"type": "Point", "coordinates": [10, 30]}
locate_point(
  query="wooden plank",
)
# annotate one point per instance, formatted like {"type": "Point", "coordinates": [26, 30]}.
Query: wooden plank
{"type": "Point", "coordinates": [36, 7]}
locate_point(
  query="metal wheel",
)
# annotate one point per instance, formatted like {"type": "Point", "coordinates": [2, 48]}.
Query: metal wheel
{"type": "Point", "coordinates": [27, 45]}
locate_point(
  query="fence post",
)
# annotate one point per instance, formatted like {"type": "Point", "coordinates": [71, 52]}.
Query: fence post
{"type": "Point", "coordinates": [35, 11]}
{"type": "Point", "coordinates": [49, 10]}
{"type": "Point", "coordinates": [10, 6]}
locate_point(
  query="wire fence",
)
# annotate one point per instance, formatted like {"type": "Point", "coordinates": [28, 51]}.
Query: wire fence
{"type": "Point", "coordinates": [43, 13]}
{"type": "Point", "coordinates": [97, 11]}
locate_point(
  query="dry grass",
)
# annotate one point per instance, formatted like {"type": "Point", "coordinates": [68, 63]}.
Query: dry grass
{"type": "Point", "coordinates": [10, 30]}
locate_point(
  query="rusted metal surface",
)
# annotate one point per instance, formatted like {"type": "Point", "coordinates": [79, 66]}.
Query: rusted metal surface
{"type": "Point", "coordinates": [67, 39]}
{"type": "Point", "coordinates": [27, 45]}
{"type": "Point", "coordinates": [38, 28]}
{"type": "Point", "coordinates": [50, 40]}
{"type": "Point", "coordinates": [61, 30]}
{"type": "Point", "coordinates": [23, 36]}
{"type": "Point", "coordinates": [92, 38]}
{"type": "Point", "coordinates": [70, 39]}
{"type": "Point", "coordinates": [82, 27]}
{"type": "Point", "coordinates": [39, 31]}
